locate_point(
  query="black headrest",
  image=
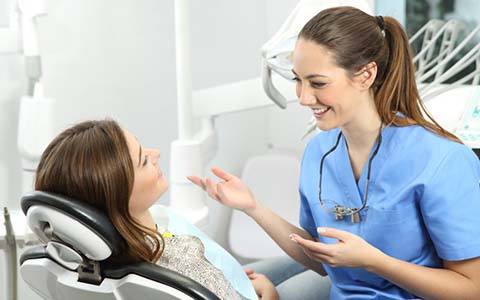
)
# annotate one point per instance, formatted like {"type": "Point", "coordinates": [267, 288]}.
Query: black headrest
{"type": "Point", "coordinates": [92, 218]}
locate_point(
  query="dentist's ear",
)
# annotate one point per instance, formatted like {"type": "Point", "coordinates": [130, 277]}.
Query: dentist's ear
{"type": "Point", "coordinates": [366, 76]}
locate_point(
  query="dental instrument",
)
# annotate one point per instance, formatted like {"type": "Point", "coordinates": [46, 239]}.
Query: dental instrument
{"type": "Point", "coordinates": [11, 253]}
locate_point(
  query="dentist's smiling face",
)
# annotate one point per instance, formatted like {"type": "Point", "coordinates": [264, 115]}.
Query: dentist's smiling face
{"type": "Point", "coordinates": [324, 87]}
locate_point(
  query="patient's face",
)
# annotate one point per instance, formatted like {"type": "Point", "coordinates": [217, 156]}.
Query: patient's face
{"type": "Point", "coordinates": [150, 183]}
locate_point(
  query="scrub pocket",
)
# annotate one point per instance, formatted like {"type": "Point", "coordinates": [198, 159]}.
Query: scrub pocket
{"type": "Point", "coordinates": [398, 232]}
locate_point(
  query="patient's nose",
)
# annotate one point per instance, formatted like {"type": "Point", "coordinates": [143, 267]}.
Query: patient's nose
{"type": "Point", "coordinates": [155, 153]}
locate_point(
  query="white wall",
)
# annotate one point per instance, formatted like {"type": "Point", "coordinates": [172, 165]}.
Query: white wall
{"type": "Point", "coordinates": [396, 9]}
{"type": "Point", "coordinates": [226, 41]}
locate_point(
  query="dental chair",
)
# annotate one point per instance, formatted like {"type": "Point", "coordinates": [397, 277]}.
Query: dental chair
{"type": "Point", "coordinates": [71, 263]}
{"type": "Point", "coordinates": [273, 178]}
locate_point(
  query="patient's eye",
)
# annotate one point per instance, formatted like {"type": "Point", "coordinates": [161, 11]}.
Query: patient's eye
{"type": "Point", "coordinates": [317, 85]}
{"type": "Point", "coordinates": [145, 161]}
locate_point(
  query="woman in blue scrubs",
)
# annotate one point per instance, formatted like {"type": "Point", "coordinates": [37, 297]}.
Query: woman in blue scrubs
{"type": "Point", "coordinates": [390, 201]}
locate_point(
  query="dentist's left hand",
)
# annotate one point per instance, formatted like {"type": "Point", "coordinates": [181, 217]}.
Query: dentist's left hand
{"type": "Point", "coordinates": [231, 191]}
{"type": "Point", "coordinates": [350, 250]}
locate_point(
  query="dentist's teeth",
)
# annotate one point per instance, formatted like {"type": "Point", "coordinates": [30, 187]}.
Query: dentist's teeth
{"type": "Point", "coordinates": [320, 110]}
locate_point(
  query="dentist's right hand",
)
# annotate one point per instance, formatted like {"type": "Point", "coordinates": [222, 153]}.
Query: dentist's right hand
{"type": "Point", "coordinates": [231, 191]}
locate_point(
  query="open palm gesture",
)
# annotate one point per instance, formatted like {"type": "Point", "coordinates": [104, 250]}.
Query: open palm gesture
{"type": "Point", "coordinates": [230, 191]}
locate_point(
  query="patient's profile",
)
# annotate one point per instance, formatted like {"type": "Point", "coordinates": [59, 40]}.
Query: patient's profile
{"type": "Point", "coordinates": [104, 165]}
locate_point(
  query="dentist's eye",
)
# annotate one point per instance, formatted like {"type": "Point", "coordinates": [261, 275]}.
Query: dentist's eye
{"type": "Point", "coordinates": [296, 79]}
{"type": "Point", "coordinates": [146, 160]}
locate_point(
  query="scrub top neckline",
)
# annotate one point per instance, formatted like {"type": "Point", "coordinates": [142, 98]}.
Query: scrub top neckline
{"type": "Point", "coordinates": [354, 191]}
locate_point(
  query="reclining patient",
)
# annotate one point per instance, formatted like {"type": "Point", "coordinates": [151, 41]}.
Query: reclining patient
{"type": "Point", "coordinates": [104, 165]}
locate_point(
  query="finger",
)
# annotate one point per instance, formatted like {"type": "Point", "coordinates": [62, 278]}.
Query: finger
{"type": "Point", "coordinates": [317, 256]}
{"type": "Point", "coordinates": [197, 180]}
{"type": "Point", "coordinates": [340, 235]}
{"type": "Point", "coordinates": [308, 253]}
{"type": "Point", "coordinates": [316, 247]}
{"type": "Point", "coordinates": [249, 271]}
{"type": "Point", "coordinates": [211, 189]}
{"type": "Point", "coordinates": [222, 174]}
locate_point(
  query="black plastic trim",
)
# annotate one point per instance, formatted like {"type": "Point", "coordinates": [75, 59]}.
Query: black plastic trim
{"type": "Point", "coordinates": [89, 216]}
{"type": "Point", "coordinates": [33, 253]}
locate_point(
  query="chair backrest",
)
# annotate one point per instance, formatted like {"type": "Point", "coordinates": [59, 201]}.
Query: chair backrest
{"type": "Point", "coordinates": [72, 263]}
{"type": "Point", "coordinates": [273, 179]}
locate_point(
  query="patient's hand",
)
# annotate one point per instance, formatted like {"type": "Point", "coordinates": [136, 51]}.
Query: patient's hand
{"type": "Point", "coordinates": [263, 286]}
{"type": "Point", "coordinates": [231, 191]}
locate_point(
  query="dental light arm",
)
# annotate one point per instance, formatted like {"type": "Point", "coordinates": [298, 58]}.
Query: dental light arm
{"type": "Point", "coordinates": [276, 52]}
{"type": "Point", "coordinates": [270, 89]}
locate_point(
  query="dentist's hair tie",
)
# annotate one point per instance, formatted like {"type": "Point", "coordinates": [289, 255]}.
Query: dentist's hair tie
{"type": "Point", "coordinates": [380, 22]}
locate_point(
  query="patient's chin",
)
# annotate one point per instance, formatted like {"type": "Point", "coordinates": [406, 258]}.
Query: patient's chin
{"type": "Point", "coordinates": [164, 183]}
{"type": "Point", "coordinates": [162, 188]}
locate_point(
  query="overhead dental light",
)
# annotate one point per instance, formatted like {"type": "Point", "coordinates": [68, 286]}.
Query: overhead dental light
{"type": "Point", "coordinates": [277, 52]}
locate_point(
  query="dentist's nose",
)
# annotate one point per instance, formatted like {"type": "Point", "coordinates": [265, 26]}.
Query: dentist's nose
{"type": "Point", "coordinates": [305, 95]}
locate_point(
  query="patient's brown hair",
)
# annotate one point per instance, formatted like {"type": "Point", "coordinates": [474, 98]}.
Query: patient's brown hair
{"type": "Point", "coordinates": [91, 162]}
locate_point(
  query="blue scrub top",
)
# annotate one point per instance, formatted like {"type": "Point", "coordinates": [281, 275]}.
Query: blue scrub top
{"type": "Point", "coordinates": [423, 204]}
